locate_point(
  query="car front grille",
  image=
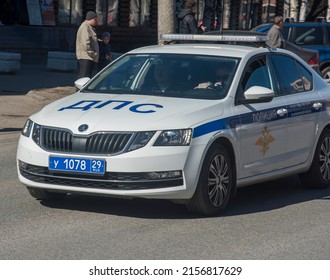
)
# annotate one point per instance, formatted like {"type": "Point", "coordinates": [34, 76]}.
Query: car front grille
{"type": "Point", "coordinates": [110, 180]}
{"type": "Point", "coordinates": [106, 143]}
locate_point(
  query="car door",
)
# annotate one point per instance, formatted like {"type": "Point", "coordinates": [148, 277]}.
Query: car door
{"type": "Point", "coordinates": [262, 127]}
{"type": "Point", "coordinates": [304, 106]}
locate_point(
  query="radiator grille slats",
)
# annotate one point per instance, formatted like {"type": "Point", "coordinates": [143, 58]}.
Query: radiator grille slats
{"type": "Point", "coordinates": [98, 143]}
{"type": "Point", "coordinates": [56, 140]}
{"type": "Point", "coordinates": [106, 143]}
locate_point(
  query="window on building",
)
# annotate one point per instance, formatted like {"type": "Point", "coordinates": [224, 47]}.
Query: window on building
{"type": "Point", "coordinates": [70, 12]}
{"type": "Point", "coordinates": [107, 11]}
{"type": "Point", "coordinates": [139, 13]}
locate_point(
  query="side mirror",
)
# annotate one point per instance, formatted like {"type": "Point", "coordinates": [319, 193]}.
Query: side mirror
{"type": "Point", "coordinates": [81, 82]}
{"type": "Point", "coordinates": [257, 94]}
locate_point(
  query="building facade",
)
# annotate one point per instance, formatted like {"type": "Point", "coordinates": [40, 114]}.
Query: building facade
{"type": "Point", "coordinates": [132, 23]}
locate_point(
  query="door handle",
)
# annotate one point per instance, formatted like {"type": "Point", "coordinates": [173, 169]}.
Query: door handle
{"type": "Point", "coordinates": [281, 112]}
{"type": "Point", "coordinates": [317, 105]}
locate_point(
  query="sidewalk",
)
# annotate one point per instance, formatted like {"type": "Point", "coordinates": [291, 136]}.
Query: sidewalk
{"type": "Point", "coordinates": [30, 89]}
{"type": "Point", "coordinates": [34, 75]}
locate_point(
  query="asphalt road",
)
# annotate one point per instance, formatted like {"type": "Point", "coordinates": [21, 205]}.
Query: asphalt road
{"type": "Point", "coordinates": [280, 220]}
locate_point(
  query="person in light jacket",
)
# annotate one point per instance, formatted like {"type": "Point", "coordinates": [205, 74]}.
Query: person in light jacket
{"type": "Point", "coordinates": [275, 37]}
{"type": "Point", "coordinates": [87, 46]}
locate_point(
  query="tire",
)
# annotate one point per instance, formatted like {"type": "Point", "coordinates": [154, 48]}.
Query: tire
{"type": "Point", "coordinates": [318, 175]}
{"type": "Point", "coordinates": [42, 194]}
{"type": "Point", "coordinates": [326, 74]}
{"type": "Point", "coordinates": [216, 183]}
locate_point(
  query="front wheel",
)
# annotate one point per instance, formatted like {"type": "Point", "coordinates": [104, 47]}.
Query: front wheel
{"type": "Point", "coordinates": [216, 183]}
{"type": "Point", "coordinates": [318, 175]}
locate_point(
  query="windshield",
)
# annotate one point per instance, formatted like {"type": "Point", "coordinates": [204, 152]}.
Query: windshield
{"type": "Point", "coordinates": [174, 75]}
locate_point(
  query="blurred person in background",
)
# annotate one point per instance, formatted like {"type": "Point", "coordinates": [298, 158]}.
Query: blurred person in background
{"type": "Point", "coordinates": [187, 21]}
{"type": "Point", "coordinates": [105, 56]}
{"type": "Point", "coordinates": [87, 46]}
{"type": "Point", "coordinates": [275, 38]}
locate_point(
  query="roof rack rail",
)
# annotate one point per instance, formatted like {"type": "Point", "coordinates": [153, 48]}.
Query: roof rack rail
{"type": "Point", "coordinates": [215, 38]}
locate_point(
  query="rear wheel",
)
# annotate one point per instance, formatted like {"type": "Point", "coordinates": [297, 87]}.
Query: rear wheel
{"type": "Point", "coordinates": [215, 185]}
{"type": "Point", "coordinates": [43, 194]}
{"type": "Point", "coordinates": [318, 176]}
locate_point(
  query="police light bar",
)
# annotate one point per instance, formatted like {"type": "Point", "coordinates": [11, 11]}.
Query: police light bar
{"type": "Point", "coordinates": [215, 38]}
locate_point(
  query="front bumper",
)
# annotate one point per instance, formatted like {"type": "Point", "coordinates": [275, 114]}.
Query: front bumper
{"type": "Point", "coordinates": [126, 174]}
{"type": "Point", "coordinates": [110, 180]}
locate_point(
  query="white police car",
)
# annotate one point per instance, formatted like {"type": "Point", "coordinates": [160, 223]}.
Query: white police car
{"type": "Point", "coordinates": [184, 122]}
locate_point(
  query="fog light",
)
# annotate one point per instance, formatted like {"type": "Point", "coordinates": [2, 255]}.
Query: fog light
{"type": "Point", "coordinates": [22, 164]}
{"type": "Point", "coordinates": [164, 175]}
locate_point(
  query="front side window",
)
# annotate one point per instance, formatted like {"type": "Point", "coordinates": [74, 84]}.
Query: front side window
{"type": "Point", "coordinates": [174, 75]}
{"type": "Point", "coordinates": [256, 74]}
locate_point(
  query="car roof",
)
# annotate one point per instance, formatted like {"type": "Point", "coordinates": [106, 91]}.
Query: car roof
{"type": "Point", "coordinates": [231, 43]}
{"type": "Point", "coordinates": [305, 23]}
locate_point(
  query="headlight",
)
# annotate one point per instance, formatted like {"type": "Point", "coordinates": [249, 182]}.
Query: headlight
{"type": "Point", "coordinates": [36, 133]}
{"type": "Point", "coordinates": [179, 137]}
{"type": "Point", "coordinates": [27, 128]}
{"type": "Point", "coordinates": [141, 139]}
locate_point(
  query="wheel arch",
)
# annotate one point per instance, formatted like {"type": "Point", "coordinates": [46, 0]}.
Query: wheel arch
{"type": "Point", "coordinates": [325, 128]}
{"type": "Point", "coordinates": [317, 175]}
{"type": "Point", "coordinates": [227, 144]}
{"type": "Point", "coordinates": [324, 65]}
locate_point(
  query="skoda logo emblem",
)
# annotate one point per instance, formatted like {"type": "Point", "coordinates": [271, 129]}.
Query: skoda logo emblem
{"type": "Point", "coordinates": [83, 127]}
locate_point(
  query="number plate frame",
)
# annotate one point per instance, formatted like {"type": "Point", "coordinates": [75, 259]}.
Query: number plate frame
{"type": "Point", "coordinates": [77, 165]}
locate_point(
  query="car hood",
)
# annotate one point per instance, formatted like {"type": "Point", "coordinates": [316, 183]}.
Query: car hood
{"type": "Point", "coordinates": [126, 112]}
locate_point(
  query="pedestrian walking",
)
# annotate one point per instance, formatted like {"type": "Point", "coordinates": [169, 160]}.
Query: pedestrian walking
{"type": "Point", "coordinates": [87, 46]}
{"type": "Point", "coordinates": [275, 38]}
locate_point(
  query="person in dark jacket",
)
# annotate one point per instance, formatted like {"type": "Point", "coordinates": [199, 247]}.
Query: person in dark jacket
{"type": "Point", "coordinates": [187, 21]}
{"type": "Point", "coordinates": [207, 15]}
{"type": "Point", "coordinates": [105, 52]}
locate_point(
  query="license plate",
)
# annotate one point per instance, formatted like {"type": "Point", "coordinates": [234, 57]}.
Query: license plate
{"type": "Point", "coordinates": [73, 164]}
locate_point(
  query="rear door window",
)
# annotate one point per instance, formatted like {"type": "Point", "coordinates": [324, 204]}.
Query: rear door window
{"type": "Point", "coordinates": [308, 35]}
{"type": "Point", "coordinates": [292, 77]}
